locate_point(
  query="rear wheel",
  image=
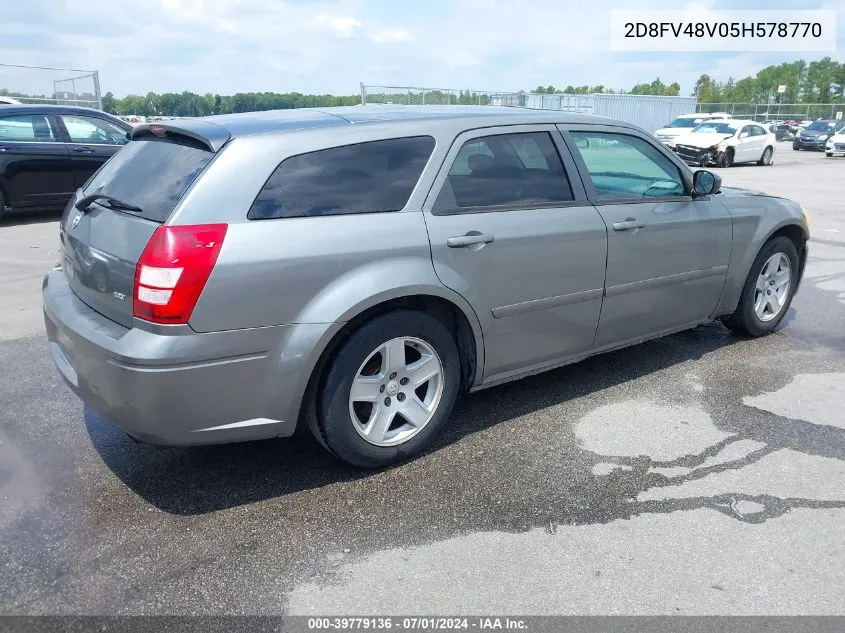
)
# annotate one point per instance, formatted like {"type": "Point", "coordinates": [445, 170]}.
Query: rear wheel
{"type": "Point", "coordinates": [768, 290]}
{"type": "Point", "coordinates": [389, 390]}
{"type": "Point", "coordinates": [766, 158]}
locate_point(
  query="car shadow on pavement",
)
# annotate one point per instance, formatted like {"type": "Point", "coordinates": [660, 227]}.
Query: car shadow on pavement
{"type": "Point", "coordinates": [206, 479]}
{"type": "Point", "coordinates": [20, 218]}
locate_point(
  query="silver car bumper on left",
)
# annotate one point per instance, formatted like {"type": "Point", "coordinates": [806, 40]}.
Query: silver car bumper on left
{"type": "Point", "coordinates": [179, 388]}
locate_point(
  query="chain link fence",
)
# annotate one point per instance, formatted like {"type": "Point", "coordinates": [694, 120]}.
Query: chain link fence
{"type": "Point", "coordinates": [43, 84]}
{"type": "Point", "coordinates": [648, 112]}
{"type": "Point", "coordinates": [406, 95]}
{"type": "Point", "coordinates": [777, 111]}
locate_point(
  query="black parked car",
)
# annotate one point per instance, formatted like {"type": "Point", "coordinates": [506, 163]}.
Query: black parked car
{"type": "Point", "coordinates": [48, 152]}
{"type": "Point", "coordinates": [815, 135]}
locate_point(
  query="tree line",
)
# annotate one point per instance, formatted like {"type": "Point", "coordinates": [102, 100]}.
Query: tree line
{"type": "Point", "coordinates": [191, 104]}
{"type": "Point", "coordinates": [821, 81]}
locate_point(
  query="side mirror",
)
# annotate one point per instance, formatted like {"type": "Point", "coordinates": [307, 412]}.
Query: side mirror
{"type": "Point", "coordinates": [705, 183]}
{"type": "Point", "coordinates": [743, 134]}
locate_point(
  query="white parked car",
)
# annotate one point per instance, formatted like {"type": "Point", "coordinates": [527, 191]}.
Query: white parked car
{"type": "Point", "coordinates": [835, 144]}
{"type": "Point", "coordinates": [682, 124]}
{"type": "Point", "coordinates": [723, 143]}
{"type": "Point", "coordinates": [4, 100]}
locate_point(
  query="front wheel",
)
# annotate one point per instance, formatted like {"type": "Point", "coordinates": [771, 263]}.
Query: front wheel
{"type": "Point", "coordinates": [389, 390]}
{"type": "Point", "coordinates": [829, 154]}
{"type": "Point", "coordinates": [768, 290]}
{"type": "Point", "coordinates": [728, 158]}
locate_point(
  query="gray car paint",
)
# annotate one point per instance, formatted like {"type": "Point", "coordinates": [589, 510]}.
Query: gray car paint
{"type": "Point", "coordinates": [282, 290]}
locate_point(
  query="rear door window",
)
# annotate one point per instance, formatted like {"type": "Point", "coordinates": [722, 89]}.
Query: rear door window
{"type": "Point", "coordinates": [505, 170]}
{"type": "Point", "coordinates": [33, 128]}
{"type": "Point", "coordinates": [152, 175]}
{"type": "Point", "coordinates": [371, 177]}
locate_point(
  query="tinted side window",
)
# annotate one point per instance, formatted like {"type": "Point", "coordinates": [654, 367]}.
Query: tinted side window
{"type": "Point", "coordinates": [505, 169]}
{"type": "Point", "coordinates": [623, 166]}
{"type": "Point", "coordinates": [152, 175]}
{"type": "Point", "coordinates": [26, 127]}
{"type": "Point", "coordinates": [364, 178]}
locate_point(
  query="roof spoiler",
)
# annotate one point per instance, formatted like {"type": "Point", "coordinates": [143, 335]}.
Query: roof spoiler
{"type": "Point", "coordinates": [208, 134]}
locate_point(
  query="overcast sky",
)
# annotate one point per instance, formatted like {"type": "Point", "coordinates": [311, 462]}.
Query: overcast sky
{"type": "Point", "coordinates": [317, 46]}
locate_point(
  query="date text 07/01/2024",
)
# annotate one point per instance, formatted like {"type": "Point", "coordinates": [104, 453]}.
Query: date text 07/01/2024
{"type": "Point", "coordinates": [415, 623]}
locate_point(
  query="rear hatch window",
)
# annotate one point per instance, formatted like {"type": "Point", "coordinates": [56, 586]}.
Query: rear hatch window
{"type": "Point", "coordinates": [151, 175]}
{"type": "Point", "coordinates": [101, 246]}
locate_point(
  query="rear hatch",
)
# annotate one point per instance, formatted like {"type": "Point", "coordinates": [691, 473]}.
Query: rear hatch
{"type": "Point", "coordinates": [141, 185]}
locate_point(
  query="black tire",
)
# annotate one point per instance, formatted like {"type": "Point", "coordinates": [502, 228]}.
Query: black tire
{"type": "Point", "coordinates": [333, 420]}
{"type": "Point", "coordinates": [795, 147]}
{"type": "Point", "coordinates": [744, 319]}
{"type": "Point", "coordinates": [2, 204]}
{"type": "Point", "coordinates": [829, 154]}
{"type": "Point", "coordinates": [728, 158]}
{"type": "Point", "coordinates": [766, 158]}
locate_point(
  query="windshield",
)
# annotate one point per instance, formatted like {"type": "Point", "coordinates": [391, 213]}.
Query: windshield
{"type": "Point", "coordinates": [821, 126]}
{"type": "Point", "coordinates": [715, 128]}
{"type": "Point", "coordinates": [684, 122]}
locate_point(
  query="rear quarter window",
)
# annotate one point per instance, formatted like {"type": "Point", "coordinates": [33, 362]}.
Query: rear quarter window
{"type": "Point", "coordinates": [152, 175]}
{"type": "Point", "coordinates": [371, 177]}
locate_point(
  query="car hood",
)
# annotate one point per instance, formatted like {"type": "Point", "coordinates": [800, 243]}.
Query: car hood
{"type": "Point", "coordinates": [702, 140]}
{"type": "Point", "coordinates": [670, 131]}
{"type": "Point", "coordinates": [737, 191]}
{"type": "Point", "coordinates": [814, 133]}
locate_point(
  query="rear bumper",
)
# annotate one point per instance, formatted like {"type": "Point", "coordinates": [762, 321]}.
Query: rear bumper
{"type": "Point", "coordinates": [178, 387]}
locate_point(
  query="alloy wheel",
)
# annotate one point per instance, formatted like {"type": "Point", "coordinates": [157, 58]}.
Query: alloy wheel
{"type": "Point", "coordinates": [772, 288]}
{"type": "Point", "coordinates": [396, 391]}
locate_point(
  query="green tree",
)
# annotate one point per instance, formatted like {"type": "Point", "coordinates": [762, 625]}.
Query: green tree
{"type": "Point", "coordinates": [109, 103]}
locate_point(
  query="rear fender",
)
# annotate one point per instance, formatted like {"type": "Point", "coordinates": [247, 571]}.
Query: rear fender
{"type": "Point", "coordinates": [347, 297]}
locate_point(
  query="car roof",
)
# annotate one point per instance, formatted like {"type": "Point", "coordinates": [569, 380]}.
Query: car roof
{"type": "Point", "coordinates": [23, 108]}
{"type": "Point", "coordinates": [214, 131]}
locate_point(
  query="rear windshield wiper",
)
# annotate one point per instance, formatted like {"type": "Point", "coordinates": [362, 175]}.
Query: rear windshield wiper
{"type": "Point", "coordinates": [84, 203]}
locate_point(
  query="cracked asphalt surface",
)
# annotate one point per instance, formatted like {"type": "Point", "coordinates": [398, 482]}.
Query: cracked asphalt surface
{"type": "Point", "coordinates": [697, 474]}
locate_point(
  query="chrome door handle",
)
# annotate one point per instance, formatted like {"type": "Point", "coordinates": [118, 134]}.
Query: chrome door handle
{"type": "Point", "coordinates": [463, 241]}
{"type": "Point", "coordinates": [628, 225]}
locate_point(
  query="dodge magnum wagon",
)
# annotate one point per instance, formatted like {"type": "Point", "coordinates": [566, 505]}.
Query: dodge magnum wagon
{"type": "Point", "coordinates": [355, 269]}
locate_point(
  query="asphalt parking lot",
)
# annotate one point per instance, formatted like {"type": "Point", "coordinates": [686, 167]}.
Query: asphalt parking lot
{"type": "Point", "coordinates": [697, 474]}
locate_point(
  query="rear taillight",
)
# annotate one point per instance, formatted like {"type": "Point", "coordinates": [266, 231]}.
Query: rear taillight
{"type": "Point", "coordinates": [173, 270]}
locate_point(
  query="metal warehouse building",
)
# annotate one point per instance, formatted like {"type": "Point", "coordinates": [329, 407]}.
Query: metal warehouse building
{"type": "Point", "coordinates": [648, 112]}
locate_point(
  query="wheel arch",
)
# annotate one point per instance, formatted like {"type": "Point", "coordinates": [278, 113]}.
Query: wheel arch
{"type": "Point", "coordinates": [789, 228]}
{"type": "Point", "coordinates": [799, 237]}
{"type": "Point", "coordinates": [448, 307]}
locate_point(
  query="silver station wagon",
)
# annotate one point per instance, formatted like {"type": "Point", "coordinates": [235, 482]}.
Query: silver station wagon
{"type": "Point", "coordinates": [355, 269]}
